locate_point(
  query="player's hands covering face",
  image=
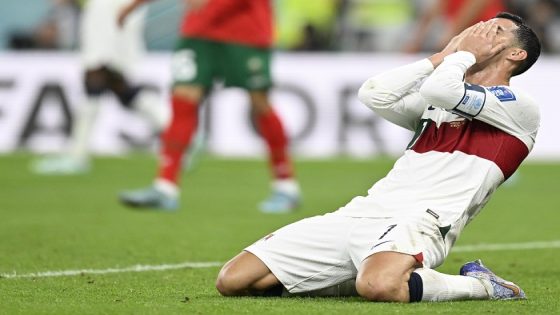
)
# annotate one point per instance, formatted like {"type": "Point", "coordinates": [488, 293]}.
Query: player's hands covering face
{"type": "Point", "coordinates": [481, 40]}
{"type": "Point", "coordinates": [453, 44]}
{"type": "Point", "coordinates": [451, 47]}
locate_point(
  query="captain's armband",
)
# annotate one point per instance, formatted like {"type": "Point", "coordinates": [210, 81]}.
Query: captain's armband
{"type": "Point", "coordinates": [472, 102]}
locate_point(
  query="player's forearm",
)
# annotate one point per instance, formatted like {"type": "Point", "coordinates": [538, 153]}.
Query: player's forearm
{"type": "Point", "coordinates": [445, 87]}
{"type": "Point", "coordinates": [436, 59]}
{"type": "Point", "coordinates": [389, 87]}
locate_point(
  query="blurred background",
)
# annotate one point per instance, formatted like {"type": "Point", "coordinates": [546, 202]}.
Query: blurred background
{"type": "Point", "coordinates": [313, 25]}
{"type": "Point", "coordinates": [324, 50]}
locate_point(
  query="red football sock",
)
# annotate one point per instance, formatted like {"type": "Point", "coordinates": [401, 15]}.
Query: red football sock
{"type": "Point", "coordinates": [177, 138]}
{"type": "Point", "coordinates": [273, 133]}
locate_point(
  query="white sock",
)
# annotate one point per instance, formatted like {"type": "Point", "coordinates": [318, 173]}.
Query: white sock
{"type": "Point", "coordinates": [84, 121]}
{"type": "Point", "coordinates": [438, 286]}
{"type": "Point", "coordinates": [288, 186]}
{"type": "Point", "coordinates": [149, 105]}
{"type": "Point", "coordinates": [166, 187]}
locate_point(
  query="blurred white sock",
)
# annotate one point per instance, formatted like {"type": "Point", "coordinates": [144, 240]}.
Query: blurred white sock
{"type": "Point", "coordinates": [166, 187]}
{"type": "Point", "coordinates": [287, 186]}
{"type": "Point", "coordinates": [149, 104]}
{"type": "Point", "coordinates": [84, 121]}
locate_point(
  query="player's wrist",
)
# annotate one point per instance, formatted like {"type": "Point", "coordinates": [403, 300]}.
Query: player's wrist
{"type": "Point", "coordinates": [465, 58]}
{"type": "Point", "coordinates": [466, 54]}
{"type": "Point", "coordinates": [436, 59]}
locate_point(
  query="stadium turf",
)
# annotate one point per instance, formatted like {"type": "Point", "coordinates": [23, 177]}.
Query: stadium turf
{"type": "Point", "coordinates": [51, 224]}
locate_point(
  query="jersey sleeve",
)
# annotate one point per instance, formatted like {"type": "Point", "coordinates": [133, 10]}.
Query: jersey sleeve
{"type": "Point", "coordinates": [512, 112]}
{"type": "Point", "coordinates": [394, 94]}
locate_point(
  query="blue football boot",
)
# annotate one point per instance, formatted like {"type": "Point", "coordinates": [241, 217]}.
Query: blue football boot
{"type": "Point", "coordinates": [279, 202]}
{"type": "Point", "coordinates": [498, 288]}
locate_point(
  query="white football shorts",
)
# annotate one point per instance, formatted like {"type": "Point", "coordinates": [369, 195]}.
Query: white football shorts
{"type": "Point", "coordinates": [103, 42]}
{"type": "Point", "coordinates": [326, 250]}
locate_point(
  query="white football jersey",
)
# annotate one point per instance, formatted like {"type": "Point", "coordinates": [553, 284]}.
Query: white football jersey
{"type": "Point", "coordinates": [468, 140]}
{"type": "Point", "coordinates": [104, 43]}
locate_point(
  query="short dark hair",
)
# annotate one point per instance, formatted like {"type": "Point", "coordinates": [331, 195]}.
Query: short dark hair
{"type": "Point", "coordinates": [527, 39]}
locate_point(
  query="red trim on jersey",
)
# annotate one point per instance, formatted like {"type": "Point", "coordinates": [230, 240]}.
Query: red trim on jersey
{"type": "Point", "coordinates": [474, 137]}
{"type": "Point", "coordinates": [419, 257]}
{"type": "Point", "coordinates": [247, 22]}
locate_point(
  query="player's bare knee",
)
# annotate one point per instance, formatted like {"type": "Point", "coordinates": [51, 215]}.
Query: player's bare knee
{"type": "Point", "coordinates": [223, 286]}
{"type": "Point", "coordinates": [260, 102]}
{"type": "Point", "coordinates": [229, 282]}
{"type": "Point", "coordinates": [223, 282]}
{"type": "Point", "coordinates": [378, 289]}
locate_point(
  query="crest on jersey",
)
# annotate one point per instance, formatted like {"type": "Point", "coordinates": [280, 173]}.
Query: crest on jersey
{"type": "Point", "coordinates": [502, 93]}
{"type": "Point", "coordinates": [456, 123]}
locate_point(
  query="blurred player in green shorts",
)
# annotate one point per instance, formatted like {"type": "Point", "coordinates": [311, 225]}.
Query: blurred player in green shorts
{"type": "Point", "coordinates": [227, 40]}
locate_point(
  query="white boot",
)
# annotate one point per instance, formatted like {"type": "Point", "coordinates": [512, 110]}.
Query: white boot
{"type": "Point", "coordinates": [75, 159]}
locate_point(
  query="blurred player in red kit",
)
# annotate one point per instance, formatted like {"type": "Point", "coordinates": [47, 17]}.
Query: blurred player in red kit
{"type": "Point", "coordinates": [227, 40]}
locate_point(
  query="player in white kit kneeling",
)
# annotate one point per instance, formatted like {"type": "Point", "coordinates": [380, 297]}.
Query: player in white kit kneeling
{"type": "Point", "coordinates": [472, 132]}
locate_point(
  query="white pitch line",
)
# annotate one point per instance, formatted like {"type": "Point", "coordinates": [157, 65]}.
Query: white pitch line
{"type": "Point", "coordinates": [197, 265]}
{"type": "Point", "coordinates": [506, 246]}
{"type": "Point", "coordinates": [135, 268]}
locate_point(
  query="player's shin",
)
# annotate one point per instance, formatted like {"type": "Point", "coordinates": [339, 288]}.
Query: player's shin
{"type": "Point", "coordinates": [285, 189]}
{"type": "Point", "coordinates": [272, 131]}
{"type": "Point", "coordinates": [82, 128]}
{"type": "Point", "coordinates": [177, 137]}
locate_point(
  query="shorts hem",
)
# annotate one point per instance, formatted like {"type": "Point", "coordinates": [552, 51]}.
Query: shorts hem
{"type": "Point", "coordinates": [417, 254]}
{"type": "Point", "coordinates": [280, 275]}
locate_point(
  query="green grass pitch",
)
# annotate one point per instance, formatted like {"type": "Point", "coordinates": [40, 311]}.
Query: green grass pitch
{"type": "Point", "coordinates": [75, 223]}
